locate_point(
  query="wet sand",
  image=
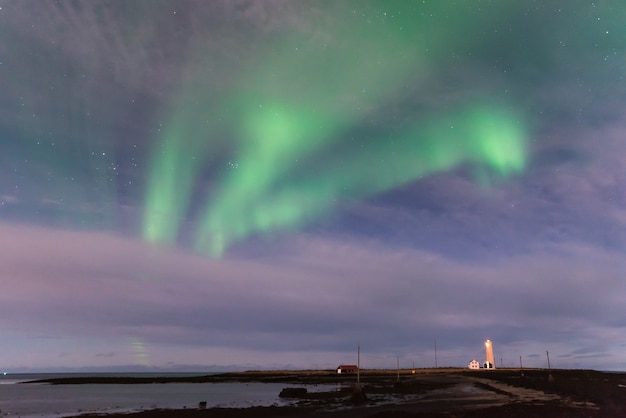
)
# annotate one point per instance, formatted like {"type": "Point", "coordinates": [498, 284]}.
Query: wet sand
{"type": "Point", "coordinates": [426, 393]}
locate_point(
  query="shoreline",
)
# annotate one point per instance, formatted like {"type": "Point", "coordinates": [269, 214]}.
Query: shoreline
{"type": "Point", "coordinates": [424, 393]}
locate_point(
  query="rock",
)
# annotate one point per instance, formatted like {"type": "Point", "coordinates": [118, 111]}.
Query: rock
{"type": "Point", "coordinates": [293, 393]}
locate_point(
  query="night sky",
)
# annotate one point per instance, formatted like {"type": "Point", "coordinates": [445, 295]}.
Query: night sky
{"type": "Point", "coordinates": [193, 185]}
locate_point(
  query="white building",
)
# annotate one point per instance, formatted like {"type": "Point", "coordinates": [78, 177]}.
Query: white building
{"type": "Point", "coordinates": [474, 364]}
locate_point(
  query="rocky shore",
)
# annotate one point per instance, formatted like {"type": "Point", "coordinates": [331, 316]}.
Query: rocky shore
{"type": "Point", "coordinates": [422, 393]}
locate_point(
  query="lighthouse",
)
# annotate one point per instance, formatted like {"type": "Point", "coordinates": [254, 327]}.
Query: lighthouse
{"type": "Point", "coordinates": [490, 362]}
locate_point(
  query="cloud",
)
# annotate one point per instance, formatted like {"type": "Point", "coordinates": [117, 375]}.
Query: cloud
{"type": "Point", "coordinates": [7, 199]}
{"type": "Point", "coordinates": [324, 296]}
{"type": "Point", "coordinates": [111, 354]}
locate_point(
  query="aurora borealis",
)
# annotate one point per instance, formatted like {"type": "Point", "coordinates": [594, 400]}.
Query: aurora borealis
{"type": "Point", "coordinates": [271, 183]}
{"type": "Point", "coordinates": [297, 100]}
{"type": "Point", "coordinates": [249, 202]}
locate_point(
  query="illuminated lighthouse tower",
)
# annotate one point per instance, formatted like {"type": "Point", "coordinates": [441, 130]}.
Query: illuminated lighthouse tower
{"type": "Point", "coordinates": [490, 362]}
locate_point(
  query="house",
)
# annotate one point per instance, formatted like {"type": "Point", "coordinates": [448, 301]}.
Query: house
{"type": "Point", "coordinates": [474, 364]}
{"type": "Point", "coordinates": [347, 368]}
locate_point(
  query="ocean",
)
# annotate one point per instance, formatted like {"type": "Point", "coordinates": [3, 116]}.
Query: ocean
{"type": "Point", "coordinates": [46, 401]}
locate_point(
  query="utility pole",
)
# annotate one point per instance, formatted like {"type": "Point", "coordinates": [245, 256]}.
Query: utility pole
{"type": "Point", "coordinates": [435, 353]}
{"type": "Point", "coordinates": [358, 365]}
{"type": "Point", "coordinates": [398, 364]}
{"type": "Point", "coordinates": [357, 394]}
{"type": "Point", "coordinates": [520, 362]}
{"type": "Point", "coordinates": [550, 377]}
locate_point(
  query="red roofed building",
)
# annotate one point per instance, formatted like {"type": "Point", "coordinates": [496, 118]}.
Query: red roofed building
{"type": "Point", "coordinates": [347, 368]}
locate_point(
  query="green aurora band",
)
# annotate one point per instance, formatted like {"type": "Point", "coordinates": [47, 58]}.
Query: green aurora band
{"type": "Point", "coordinates": [301, 102]}
{"type": "Point", "coordinates": [480, 135]}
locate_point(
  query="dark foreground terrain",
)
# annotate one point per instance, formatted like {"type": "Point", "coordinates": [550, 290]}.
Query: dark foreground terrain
{"type": "Point", "coordinates": [426, 393]}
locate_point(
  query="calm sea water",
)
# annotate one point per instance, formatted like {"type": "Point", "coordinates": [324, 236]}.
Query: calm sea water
{"type": "Point", "coordinates": [45, 401]}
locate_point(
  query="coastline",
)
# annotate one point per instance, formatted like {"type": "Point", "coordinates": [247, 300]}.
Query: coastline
{"type": "Point", "coordinates": [424, 393]}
